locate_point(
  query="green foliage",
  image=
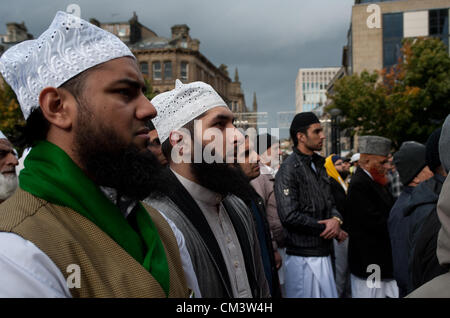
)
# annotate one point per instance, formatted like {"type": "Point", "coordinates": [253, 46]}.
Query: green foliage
{"type": "Point", "coordinates": [10, 114]}
{"type": "Point", "coordinates": [149, 94]}
{"type": "Point", "coordinates": [404, 103]}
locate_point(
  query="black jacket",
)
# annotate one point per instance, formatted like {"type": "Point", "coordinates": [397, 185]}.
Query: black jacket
{"type": "Point", "coordinates": [304, 198]}
{"type": "Point", "coordinates": [256, 206]}
{"type": "Point", "coordinates": [368, 205]}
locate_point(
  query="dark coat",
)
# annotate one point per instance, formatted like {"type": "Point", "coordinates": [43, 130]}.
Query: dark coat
{"type": "Point", "coordinates": [398, 227]}
{"type": "Point", "coordinates": [256, 206]}
{"type": "Point", "coordinates": [303, 198]}
{"type": "Point", "coordinates": [340, 197]}
{"type": "Point", "coordinates": [368, 205]}
{"type": "Point", "coordinates": [424, 226]}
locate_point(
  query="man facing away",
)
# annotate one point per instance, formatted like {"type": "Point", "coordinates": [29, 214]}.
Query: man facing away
{"type": "Point", "coordinates": [307, 212]}
{"type": "Point", "coordinates": [413, 170]}
{"type": "Point", "coordinates": [75, 227]}
{"type": "Point", "coordinates": [8, 163]}
{"type": "Point", "coordinates": [198, 137]}
{"type": "Point", "coordinates": [438, 286]}
{"type": "Point", "coordinates": [424, 224]}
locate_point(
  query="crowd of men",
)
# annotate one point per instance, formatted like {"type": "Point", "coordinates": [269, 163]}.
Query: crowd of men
{"type": "Point", "coordinates": [119, 196]}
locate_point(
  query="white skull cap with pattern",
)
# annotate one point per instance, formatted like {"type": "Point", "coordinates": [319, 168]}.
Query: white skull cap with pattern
{"type": "Point", "coordinates": [2, 136]}
{"type": "Point", "coordinates": [181, 105]}
{"type": "Point", "coordinates": [68, 47]}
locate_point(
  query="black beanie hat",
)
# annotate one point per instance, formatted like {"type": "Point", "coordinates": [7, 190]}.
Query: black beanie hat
{"type": "Point", "coordinates": [270, 140]}
{"type": "Point", "coordinates": [432, 154]}
{"type": "Point", "coordinates": [302, 120]}
{"type": "Point", "coordinates": [409, 160]}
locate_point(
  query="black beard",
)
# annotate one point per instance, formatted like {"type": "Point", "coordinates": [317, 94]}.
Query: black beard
{"type": "Point", "coordinates": [344, 174]}
{"type": "Point", "coordinates": [110, 162]}
{"type": "Point", "coordinates": [223, 178]}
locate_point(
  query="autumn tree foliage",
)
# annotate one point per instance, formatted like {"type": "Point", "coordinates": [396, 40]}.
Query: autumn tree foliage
{"type": "Point", "coordinates": [10, 114]}
{"type": "Point", "coordinates": [405, 102]}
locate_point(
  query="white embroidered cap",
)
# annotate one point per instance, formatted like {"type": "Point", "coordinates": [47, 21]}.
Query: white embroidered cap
{"type": "Point", "coordinates": [182, 104]}
{"type": "Point", "coordinates": [68, 47]}
{"type": "Point", "coordinates": [2, 136]}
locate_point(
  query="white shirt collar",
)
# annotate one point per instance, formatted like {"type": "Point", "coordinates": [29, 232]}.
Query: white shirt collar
{"type": "Point", "coordinates": [198, 192]}
{"type": "Point", "coordinates": [368, 173]}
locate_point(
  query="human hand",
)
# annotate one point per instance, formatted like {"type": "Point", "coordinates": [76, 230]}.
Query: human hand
{"type": "Point", "coordinates": [278, 260]}
{"type": "Point", "coordinates": [342, 236]}
{"type": "Point", "coordinates": [332, 228]}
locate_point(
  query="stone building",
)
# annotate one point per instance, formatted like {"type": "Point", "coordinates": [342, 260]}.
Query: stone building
{"type": "Point", "coordinates": [163, 60]}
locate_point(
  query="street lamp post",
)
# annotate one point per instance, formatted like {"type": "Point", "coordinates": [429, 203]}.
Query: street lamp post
{"type": "Point", "coordinates": [335, 134]}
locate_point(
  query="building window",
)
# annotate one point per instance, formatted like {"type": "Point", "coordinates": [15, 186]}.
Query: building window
{"type": "Point", "coordinates": [122, 31]}
{"type": "Point", "coordinates": [167, 70]}
{"type": "Point", "coordinates": [438, 24]}
{"type": "Point", "coordinates": [184, 71]}
{"type": "Point", "coordinates": [392, 38]}
{"type": "Point", "coordinates": [156, 70]}
{"type": "Point", "coordinates": [144, 68]}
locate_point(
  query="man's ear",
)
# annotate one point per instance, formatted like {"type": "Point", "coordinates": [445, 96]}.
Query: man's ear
{"type": "Point", "coordinates": [299, 136]}
{"type": "Point", "coordinates": [175, 137]}
{"type": "Point", "coordinates": [58, 107]}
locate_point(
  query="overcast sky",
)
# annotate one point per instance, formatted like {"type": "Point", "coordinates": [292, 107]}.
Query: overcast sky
{"type": "Point", "coordinates": [267, 40]}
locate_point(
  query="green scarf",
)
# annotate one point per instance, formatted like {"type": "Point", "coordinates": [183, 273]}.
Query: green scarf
{"type": "Point", "coordinates": [51, 174]}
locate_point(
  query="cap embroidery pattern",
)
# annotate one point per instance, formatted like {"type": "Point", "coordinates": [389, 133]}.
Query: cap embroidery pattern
{"type": "Point", "coordinates": [68, 47]}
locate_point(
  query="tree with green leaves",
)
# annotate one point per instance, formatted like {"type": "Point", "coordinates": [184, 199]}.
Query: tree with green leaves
{"type": "Point", "coordinates": [10, 114]}
{"type": "Point", "coordinates": [405, 102]}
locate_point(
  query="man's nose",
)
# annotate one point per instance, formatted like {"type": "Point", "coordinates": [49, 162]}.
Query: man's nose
{"type": "Point", "coordinates": [145, 109]}
{"type": "Point", "coordinates": [11, 160]}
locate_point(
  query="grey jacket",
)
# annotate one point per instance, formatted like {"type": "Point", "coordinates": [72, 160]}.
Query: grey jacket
{"type": "Point", "coordinates": [264, 185]}
{"type": "Point", "coordinates": [212, 278]}
{"type": "Point", "coordinates": [303, 199]}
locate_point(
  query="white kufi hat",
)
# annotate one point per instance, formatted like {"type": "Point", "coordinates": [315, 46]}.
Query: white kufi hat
{"type": "Point", "coordinates": [181, 105]}
{"type": "Point", "coordinates": [69, 47]}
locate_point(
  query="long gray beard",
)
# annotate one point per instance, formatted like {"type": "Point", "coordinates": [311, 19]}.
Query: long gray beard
{"type": "Point", "coordinates": [8, 185]}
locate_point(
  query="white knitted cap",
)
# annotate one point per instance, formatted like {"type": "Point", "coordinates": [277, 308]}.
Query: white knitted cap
{"type": "Point", "coordinates": [182, 104]}
{"type": "Point", "coordinates": [68, 47]}
{"type": "Point", "coordinates": [355, 157]}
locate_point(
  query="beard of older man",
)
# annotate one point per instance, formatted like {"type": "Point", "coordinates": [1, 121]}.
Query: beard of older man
{"type": "Point", "coordinates": [111, 162]}
{"type": "Point", "coordinates": [8, 185]}
{"type": "Point", "coordinates": [378, 177]}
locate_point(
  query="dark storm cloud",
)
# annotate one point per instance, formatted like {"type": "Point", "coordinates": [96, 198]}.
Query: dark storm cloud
{"type": "Point", "coordinates": [268, 41]}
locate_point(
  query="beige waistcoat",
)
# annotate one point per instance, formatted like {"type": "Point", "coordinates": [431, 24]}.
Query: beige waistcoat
{"type": "Point", "coordinates": [67, 237]}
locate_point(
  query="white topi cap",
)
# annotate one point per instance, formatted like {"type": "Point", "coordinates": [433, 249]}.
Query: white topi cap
{"type": "Point", "coordinates": [68, 47]}
{"type": "Point", "coordinates": [355, 157]}
{"type": "Point", "coordinates": [181, 105]}
{"type": "Point", "coordinates": [2, 136]}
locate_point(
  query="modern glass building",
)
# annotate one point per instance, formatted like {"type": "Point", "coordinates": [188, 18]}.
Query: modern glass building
{"type": "Point", "coordinates": [310, 88]}
{"type": "Point", "coordinates": [372, 47]}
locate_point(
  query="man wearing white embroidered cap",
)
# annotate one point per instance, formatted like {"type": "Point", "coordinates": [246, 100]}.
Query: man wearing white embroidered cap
{"type": "Point", "coordinates": [8, 163]}
{"type": "Point", "coordinates": [197, 133]}
{"type": "Point", "coordinates": [75, 227]}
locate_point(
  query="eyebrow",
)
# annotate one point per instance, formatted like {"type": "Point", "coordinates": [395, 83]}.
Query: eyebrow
{"type": "Point", "coordinates": [133, 83]}
{"type": "Point", "coordinates": [222, 117]}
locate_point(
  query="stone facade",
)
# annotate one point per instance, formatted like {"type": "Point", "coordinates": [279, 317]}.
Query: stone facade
{"type": "Point", "coordinates": [163, 60]}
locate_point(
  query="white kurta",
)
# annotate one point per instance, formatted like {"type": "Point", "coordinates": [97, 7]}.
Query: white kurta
{"type": "Point", "coordinates": [309, 277]}
{"type": "Point", "coordinates": [360, 289]}
{"type": "Point", "coordinates": [220, 223]}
